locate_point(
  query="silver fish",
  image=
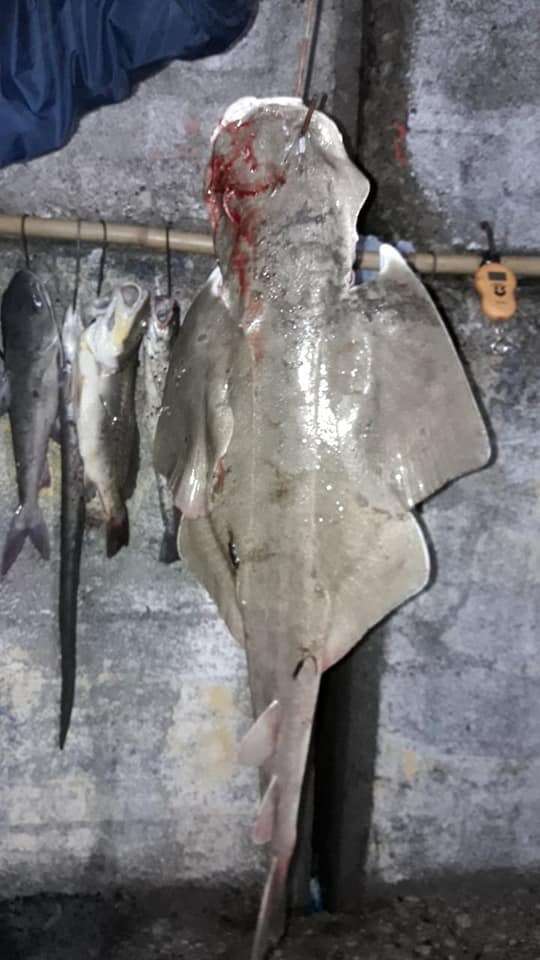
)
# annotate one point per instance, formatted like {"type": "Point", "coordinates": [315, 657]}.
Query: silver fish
{"type": "Point", "coordinates": [303, 421]}
{"type": "Point", "coordinates": [158, 343]}
{"type": "Point", "coordinates": [107, 426]}
{"type": "Point", "coordinates": [73, 513]}
{"type": "Point", "coordinates": [32, 350]}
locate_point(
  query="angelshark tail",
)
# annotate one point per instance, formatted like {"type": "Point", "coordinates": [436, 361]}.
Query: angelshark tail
{"type": "Point", "coordinates": [279, 741]}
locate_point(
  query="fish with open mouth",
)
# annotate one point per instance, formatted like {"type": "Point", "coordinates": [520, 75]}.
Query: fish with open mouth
{"type": "Point", "coordinates": [73, 512]}
{"type": "Point", "coordinates": [32, 350]}
{"type": "Point", "coordinates": [106, 423]}
{"type": "Point", "coordinates": [158, 343]}
{"type": "Point", "coordinates": [303, 419]}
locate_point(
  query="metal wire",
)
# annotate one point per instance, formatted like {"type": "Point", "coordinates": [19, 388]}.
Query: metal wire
{"type": "Point", "coordinates": [309, 48]}
{"type": "Point", "coordinates": [168, 256]}
{"type": "Point", "coordinates": [24, 240]}
{"type": "Point", "coordinates": [103, 256]}
{"type": "Point", "coordinates": [77, 267]}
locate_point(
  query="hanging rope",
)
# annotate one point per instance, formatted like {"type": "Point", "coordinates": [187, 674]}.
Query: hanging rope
{"type": "Point", "coordinates": [103, 257]}
{"type": "Point", "coordinates": [24, 240]}
{"type": "Point", "coordinates": [77, 267]}
{"type": "Point", "coordinates": [309, 49]}
{"type": "Point", "coordinates": [168, 257]}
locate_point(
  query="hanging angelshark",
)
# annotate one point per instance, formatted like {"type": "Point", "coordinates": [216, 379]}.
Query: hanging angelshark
{"type": "Point", "coordinates": [303, 419]}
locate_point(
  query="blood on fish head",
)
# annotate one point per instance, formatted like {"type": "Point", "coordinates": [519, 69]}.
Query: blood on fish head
{"type": "Point", "coordinates": [164, 317]}
{"type": "Point", "coordinates": [269, 181]}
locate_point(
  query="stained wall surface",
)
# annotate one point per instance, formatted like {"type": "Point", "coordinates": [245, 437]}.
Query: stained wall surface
{"type": "Point", "coordinates": [433, 725]}
{"type": "Point", "coordinates": [438, 713]}
{"type": "Point", "coordinates": [147, 788]}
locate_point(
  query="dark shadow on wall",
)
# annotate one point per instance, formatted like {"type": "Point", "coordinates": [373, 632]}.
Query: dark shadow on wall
{"type": "Point", "coordinates": [346, 749]}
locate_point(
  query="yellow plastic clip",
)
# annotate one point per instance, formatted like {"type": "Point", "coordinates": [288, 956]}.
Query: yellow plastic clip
{"type": "Point", "coordinates": [495, 283]}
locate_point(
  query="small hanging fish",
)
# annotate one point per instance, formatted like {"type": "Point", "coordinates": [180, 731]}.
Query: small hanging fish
{"type": "Point", "coordinates": [158, 343]}
{"type": "Point", "coordinates": [32, 351]}
{"type": "Point", "coordinates": [73, 513]}
{"type": "Point", "coordinates": [107, 425]}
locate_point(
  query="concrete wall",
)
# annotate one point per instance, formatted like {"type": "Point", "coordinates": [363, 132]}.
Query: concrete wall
{"type": "Point", "coordinates": [148, 788]}
{"type": "Point", "coordinates": [431, 727]}
{"type": "Point", "coordinates": [438, 713]}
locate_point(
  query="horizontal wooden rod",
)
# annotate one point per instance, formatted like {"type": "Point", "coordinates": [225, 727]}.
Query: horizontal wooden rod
{"type": "Point", "coordinates": [183, 241]}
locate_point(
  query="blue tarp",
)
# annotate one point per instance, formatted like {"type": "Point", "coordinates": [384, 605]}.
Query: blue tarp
{"type": "Point", "coordinates": [60, 58]}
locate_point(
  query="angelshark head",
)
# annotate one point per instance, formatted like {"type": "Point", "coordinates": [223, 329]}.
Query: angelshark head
{"type": "Point", "coordinates": [270, 185]}
{"type": "Point", "coordinates": [119, 321]}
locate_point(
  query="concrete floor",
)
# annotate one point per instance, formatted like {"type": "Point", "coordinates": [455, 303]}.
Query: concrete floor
{"type": "Point", "coordinates": [191, 924]}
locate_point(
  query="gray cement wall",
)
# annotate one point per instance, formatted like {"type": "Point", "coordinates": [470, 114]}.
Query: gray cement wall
{"type": "Point", "coordinates": [148, 788]}
{"type": "Point", "coordinates": [430, 729]}
{"type": "Point", "coordinates": [438, 713]}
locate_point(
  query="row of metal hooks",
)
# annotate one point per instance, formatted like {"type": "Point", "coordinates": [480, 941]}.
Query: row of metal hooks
{"type": "Point", "coordinates": [102, 259]}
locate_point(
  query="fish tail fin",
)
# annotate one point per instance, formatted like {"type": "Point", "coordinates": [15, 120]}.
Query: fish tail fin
{"type": "Point", "coordinates": [117, 532]}
{"type": "Point", "coordinates": [26, 523]}
{"type": "Point", "coordinates": [66, 709]}
{"type": "Point", "coordinates": [39, 535]}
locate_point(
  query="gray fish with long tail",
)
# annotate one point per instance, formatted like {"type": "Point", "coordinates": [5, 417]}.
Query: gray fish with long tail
{"type": "Point", "coordinates": [303, 419]}
{"type": "Point", "coordinates": [32, 350]}
{"type": "Point", "coordinates": [158, 343]}
{"type": "Point", "coordinates": [107, 424]}
{"type": "Point", "coordinates": [72, 515]}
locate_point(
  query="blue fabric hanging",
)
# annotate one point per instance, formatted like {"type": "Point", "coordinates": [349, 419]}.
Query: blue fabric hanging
{"type": "Point", "coordinates": [60, 58]}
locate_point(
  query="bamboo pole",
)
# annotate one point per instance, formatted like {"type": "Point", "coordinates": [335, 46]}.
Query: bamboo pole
{"type": "Point", "coordinates": [182, 241]}
{"type": "Point", "coordinates": [124, 234]}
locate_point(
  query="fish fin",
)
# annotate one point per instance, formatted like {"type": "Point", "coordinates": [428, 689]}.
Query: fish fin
{"type": "Point", "coordinates": [117, 533]}
{"type": "Point", "coordinates": [272, 912]}
{"type": "Point", "coordinates": [25, 524]}
{"type": "Point", "coordinates": [90, 491]}
{"type": "Point", "coordinates": [12, 547]}
{"type": "Point", "coordinates": [45, 481]}
{"type": "Point", "coordinates": [39, 535]}
{"type": "Point", "coordinates": [260, 741]}
{"type": "Point", "coordinates": [4, 397]}
{"type": "Point", "coordinates": [168, 551]}
{"type": "Point", "coordinates": [264, 824]}
{"type": "Point", "coordinates": [66, 709]}
{"type": "Point", "coordinates": [56, 431]}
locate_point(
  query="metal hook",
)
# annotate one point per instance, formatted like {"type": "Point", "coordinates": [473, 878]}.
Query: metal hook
{"type": "Point", "coordinates": [102, 258]}
{"type": "Point", "coordinates": [77, 267]}
{"type": "Point", "coordinates": [24, 240]}
{"type": "Point", "coordinates": [488, 230]}
{"type": "Point", "coordinates": [168, 256]}
{"type": "Point", "coordinates": [307, 120]}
